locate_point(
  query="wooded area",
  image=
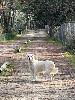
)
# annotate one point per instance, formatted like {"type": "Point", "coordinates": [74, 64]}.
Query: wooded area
{"type": "Point", "coordinates": [37, 49]}
{"type": "Point", "coordinates": [16, 16]}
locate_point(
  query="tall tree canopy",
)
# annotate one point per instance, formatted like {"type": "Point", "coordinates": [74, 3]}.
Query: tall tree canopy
{"type": "Point", "coordinates": [40, 12]}
{"type": "Point", "coordinates": [51, 12]}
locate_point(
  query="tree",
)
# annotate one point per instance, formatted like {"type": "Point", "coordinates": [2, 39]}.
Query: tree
{"type": "Point", "coordinates": [38, 12]}
{"type": "Point", "coordinates": [7, 17]}
{"type": "Point", "coordinates": [52, 12]}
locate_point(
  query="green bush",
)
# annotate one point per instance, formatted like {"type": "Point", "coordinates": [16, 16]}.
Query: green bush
{"type": "Point", "coordinates": [70, 46]}
{"type": "Point", "coordinates": [7, 70]}
{"type": "Point", "coordinates": [54, 41]}
{"type": "Point", "coordinates": [7, 36]}
{"type": "Point", "coordinates": [70, 58]}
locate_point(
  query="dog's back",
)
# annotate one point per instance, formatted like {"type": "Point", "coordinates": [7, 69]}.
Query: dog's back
{"type": "Point", "coordinates": [49, 64]}
{"type": "Point", "coordinates": [40, 66]}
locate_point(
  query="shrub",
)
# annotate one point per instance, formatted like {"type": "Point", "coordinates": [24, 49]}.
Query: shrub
{"type": "Point", "coordinates": [70, 58]}
{"type": "Point", "coordinates": [7, 70]}
{"type": "Point", "coordinates": [70, 46]}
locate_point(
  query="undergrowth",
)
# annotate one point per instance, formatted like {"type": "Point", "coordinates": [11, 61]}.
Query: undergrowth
{"type": "Point", "coordinates": [70, 58]}
{"type": "Point", "coordinates": [15, 37]}
{"type": "Point", "coordinates": [68, 53]}
{"type": "Point", "coordinates": [7, 70]}
{"type": "Point", "coordinates": [54, 41]}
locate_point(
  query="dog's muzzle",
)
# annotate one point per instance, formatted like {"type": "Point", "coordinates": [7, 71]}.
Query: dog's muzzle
{"type": "Point", "coordinates": [29, 59]}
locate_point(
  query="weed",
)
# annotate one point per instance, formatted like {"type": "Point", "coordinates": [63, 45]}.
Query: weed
{"type": "Point", "coordinates": [7, 70]}
{"type": "Point", "coordinates": [70, 58]}
{"type": "Point", "coordinates": [54, 41]}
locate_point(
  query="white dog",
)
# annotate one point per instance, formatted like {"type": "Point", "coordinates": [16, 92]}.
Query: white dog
{"type": "Point", "coordinates": [38, 66]}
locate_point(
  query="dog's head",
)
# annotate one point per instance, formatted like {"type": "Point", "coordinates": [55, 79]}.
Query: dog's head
{"type": "Point", "coordinates": [30, 57]}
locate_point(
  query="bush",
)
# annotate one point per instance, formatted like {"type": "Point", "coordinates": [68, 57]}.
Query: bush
{"type": "Point", "coordinates": [7, 70]}
{"type": "Point", "coordinates": [70, 46]}
{"type": "Point", "coordinates": [7, 36]}
{"type": "Point", "coordinates": [70, 58]}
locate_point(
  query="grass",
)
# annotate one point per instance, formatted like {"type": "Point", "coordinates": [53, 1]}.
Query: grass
{"type": "Point", "coordinates": [54, 41]}
{"type": "Point", "coordinates": [24, 45]}
{"type": "Point", "coordinates": [21, 47]}
{"type": "Point", "coordinates": [16, 37]}
{"type": "Point", "coordinates": [7, 70]}
{"type": "Point", "coordinates": [70, 58]}
{"type": "Point", "coordinates": [68, 55]}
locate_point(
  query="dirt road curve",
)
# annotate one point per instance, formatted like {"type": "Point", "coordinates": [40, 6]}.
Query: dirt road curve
{"type": "Point", "coordinates": [19, 85]}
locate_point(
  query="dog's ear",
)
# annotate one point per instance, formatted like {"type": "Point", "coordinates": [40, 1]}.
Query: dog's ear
{"type": "Point", "coordinates": [30, 55]}
{"type": "Point", "coordinates": [33, 55]}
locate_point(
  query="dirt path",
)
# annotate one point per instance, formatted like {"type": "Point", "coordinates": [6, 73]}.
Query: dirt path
{"type": "Point", "coordinates": [19, 85]}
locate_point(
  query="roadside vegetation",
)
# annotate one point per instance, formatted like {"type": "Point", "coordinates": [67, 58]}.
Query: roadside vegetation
{"type": "Point", "coordinates": [70, 57]}
{"type": "Point", "coordinates": [7, 70]}
{"type": "Point", "coordinates": [69, 49]}
{"type": "Point", "coordinates": [21, 47]}
{"type": "Point", "coordinates": [54, 41]}
{"type": "Point", "coordinates": [14, 37]}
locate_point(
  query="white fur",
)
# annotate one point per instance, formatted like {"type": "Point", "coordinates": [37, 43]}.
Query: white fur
{"type": "Point", "coordinates": [38, 66]}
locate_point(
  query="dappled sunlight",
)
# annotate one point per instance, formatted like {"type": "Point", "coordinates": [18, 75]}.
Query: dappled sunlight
{"type": "Point", "coordinates": [25, 88]}
{"type": "Point", "coordinates": [38, 33]}
{"type": "Point", "coordinates": [20, 82]}
{"type": "Point", "coordinates": [29, 35]}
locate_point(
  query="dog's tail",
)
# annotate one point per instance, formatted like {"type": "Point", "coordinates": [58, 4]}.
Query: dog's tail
{"type": "Point", "coordinates": [53, 71]}
{"type": "Point", "coordinates": [50, 63]}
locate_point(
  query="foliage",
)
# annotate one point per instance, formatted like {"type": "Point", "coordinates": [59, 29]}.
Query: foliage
{"type": "Point", "coordinates": [51, 12]}
{"type": "Point", "coordinates": [1, 29]}
{"type": "Point", "coordinates": [54, 41]}
{"type": "Point", "coordinates": [7, 70]}
{"type": "Point", "coordinates": [70, 57]}
{"type": "Point", "coordinates": [14, 37]}
{"type": "Point", "coordinates": [7, 17]}
{"type": "Point", "coordinates": [70, 46]}
{"type": "Point", "coordinates": [37, 13]}
{"type": "Point", "coordinates": [19, 22]}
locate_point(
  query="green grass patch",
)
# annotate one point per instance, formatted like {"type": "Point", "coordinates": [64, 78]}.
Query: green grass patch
{"type": "Point", "coordinates": [54, 41]}
{"type": "Point", "coordinates": [7, 70]}
{"type": "Point", "coordinates": [15, 37]}
{"type": "Point", "coordinates": [70, 58]}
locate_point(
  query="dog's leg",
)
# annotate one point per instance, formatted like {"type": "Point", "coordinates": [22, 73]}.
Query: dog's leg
{"type": "Point", "coordinates": [34, 75]}
{"type": "Point", "coordinates": [47, 73]}
{"type": "Point", "coordinates": [52, 77]}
